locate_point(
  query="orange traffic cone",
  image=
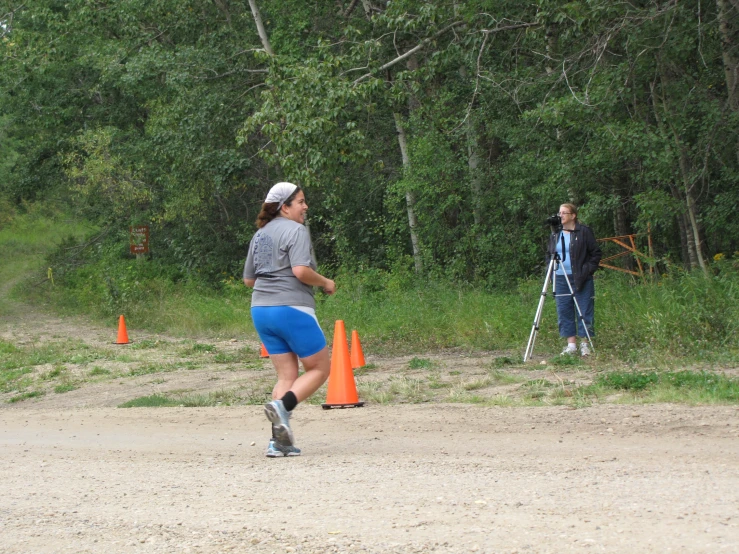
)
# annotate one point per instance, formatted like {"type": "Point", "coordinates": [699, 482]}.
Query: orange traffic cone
{"type": "Point", "coordinates": [342, 390]}
{"type": "Point", "coordinates": [122, 333]}
{"type": "Point", "coordinates": [263, 352]}
{"type": "Point", "coordinates": [356, 354]}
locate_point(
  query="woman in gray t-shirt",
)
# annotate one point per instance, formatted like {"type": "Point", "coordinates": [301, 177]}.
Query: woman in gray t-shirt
{"type": "Point", "coordinates": [280, 268]}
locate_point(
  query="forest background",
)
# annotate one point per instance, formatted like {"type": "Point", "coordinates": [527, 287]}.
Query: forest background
{"type": "Point", "coordinates": [432, 139]}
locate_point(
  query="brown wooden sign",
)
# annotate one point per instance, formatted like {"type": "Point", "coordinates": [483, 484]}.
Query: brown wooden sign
{"type": "Point", "coordinates": [139, 239]}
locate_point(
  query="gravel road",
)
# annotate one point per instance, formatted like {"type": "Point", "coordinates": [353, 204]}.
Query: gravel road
{"type": "Point", "coordinates": [403, 478]}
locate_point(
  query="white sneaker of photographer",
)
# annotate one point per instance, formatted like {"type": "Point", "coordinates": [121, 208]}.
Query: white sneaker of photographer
{"type": "Point", "coordinates": [570, 350]}
{"type": "Point", "coordinates": [584, 349]}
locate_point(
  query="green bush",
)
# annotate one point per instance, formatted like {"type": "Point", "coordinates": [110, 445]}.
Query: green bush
{"type": "Point", "coordinates": [396, 312]}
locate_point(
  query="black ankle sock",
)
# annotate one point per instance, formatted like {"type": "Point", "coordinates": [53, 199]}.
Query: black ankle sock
{"type": "Point", "coordinates": [289, 401]}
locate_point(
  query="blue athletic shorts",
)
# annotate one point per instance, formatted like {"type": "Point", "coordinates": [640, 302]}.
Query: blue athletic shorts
{"type": "Point", "coordinates": [284, 329]}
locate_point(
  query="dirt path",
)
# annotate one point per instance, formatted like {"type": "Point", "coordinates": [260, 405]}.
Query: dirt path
{"type": "Point", "coordinates": [378, 479]}
{"type": "Point", "coordinates": [79, 475]}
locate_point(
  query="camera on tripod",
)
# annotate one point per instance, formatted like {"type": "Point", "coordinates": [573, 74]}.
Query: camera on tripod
{"type": "Point", "coordinates": [554, 220]}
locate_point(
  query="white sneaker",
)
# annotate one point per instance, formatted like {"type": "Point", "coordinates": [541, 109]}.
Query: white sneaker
{"type": "Point", "coordinates": [571, 350]}
{"type": "Point", "coordinates": [584, 349]}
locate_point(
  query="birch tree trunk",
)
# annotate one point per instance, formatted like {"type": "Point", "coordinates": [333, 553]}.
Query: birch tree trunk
{"type": "Point", "coordinates": [690, 202]}
{"type": "Point", "coordinates": [686, 248]}
{"type": "Point", "coordinates": [692, 231]}
{"type": "Point", "coordinates": [473, 158]}
{"type": "Point", "coordinates": [260, 27]}
{"type": "Point", "coordinates": [410, 196]}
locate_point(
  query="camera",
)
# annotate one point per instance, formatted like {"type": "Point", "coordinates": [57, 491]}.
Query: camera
{"type": "Point", "coordinates": [554, 220]}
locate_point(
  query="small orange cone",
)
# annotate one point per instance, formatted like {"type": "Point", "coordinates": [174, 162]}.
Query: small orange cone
{"type": "Point", "coordinates": [263, 352]}
{"type": "Point", "coordinates": [342, 390]}
{"type": "Point", "coordinates": [356, 354]}
{"type": "Point", "coordinates": [122, 333]}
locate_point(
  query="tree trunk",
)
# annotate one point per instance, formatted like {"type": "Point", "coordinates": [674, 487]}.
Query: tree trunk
{"type": "Point", "coordinates": [687, 242]}
{"type": "Point", "coordinates": [473, 163]}
{"type": "Point", "coordinates": [260, 27]}
{"type": "Point", "coordinates": [684, 247]}
{"type": "Point", "coordinates": [728, 35]}
{"type": "Point", "coordinates": [728, 44]}
{"type": "Point", "coordinates": [410, 196]}
{"type": "Point", "coordinates": [692, 229]}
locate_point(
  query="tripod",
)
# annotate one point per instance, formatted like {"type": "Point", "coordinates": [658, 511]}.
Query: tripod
{"type": "Point", "coordinates": [537, 318]}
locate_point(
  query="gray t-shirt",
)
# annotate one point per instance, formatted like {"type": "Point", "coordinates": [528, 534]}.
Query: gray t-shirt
{"type": "Point", "coordinates": [274, 250]}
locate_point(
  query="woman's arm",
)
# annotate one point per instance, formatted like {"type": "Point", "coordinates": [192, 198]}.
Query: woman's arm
{"type": "Point", "coordinates": [250, 282]}
{"type": "Point", "coordinates": [308, 276]}
{"type": "Point", "coordinates": [594, 253]}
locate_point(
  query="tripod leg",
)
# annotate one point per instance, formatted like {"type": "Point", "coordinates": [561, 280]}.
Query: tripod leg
{"type": "Point", "coordinates": [537, 317]}
{"type": "Point", "coordinates": [579, 313]}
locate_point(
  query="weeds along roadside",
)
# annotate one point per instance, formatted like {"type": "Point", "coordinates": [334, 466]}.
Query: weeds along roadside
{"type": "Point", "coordinates": [680, 318]}
{"type": "Point", "coordinates": [26, 240]}
{"type": "Point", "coordinates": [647, 332]}
{"type": "Point", "coordinates": [33, 371]}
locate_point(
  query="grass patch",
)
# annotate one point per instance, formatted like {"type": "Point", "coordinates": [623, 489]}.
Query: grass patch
{"type": "Point", "coordinates": [8, 348]}
{"type": "Point", "coordinates": [435, 382]}
{"type": "Point", "coordinates": [536, 389]}
{"type": "Point", "coordinates": [243, 355]}
{"type": "Point", "coordinates": [198, 348]}
{"type": "Point", "coordinates": [14, 379]}
{"type": "Point", "coordinates": [478, 384]}
{"type": "Point", "coordinates": [396, 389]}
{"type": "Point", "coordinates": [153, 401]}
{"type": "Point", "coordinates": [502, 361]}
{"type": "Point", "coordinates": [187, 400]}
{"type": "Point", "coordinates": [147, 369]}
{"type": "Point", "coordinates": [25, 396]}
{"type": "Point", "coordinates": [57, 353]}
{"type": "Point", "coordinates": [566, 360]}
{"type": "Point", "coordinates": [375, 393]}
{"type": "Point", "coordinates": [420, 363]}
{"type": "Point", "coordinates": [97, 371]}
{"type": "Point", "coordinates": [65, 387]}
{"type": "Point", "coordinates": [58, 371]}
{"type": "Point", "coordinates": [701, 387]}
{"type": "Point", "coordinates": [500, 378]}
{"type": "Point", "coordinates": [148, 344]}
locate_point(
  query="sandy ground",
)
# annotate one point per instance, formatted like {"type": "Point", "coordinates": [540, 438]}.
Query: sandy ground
{"type": "Point", "coordinates": [79, 475]}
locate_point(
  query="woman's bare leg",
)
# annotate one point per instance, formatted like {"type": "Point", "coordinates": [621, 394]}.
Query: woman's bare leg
{"type": "Point", "coordinates": [317, 368]}
{"type": "Point", "coordinates": [286, 366]}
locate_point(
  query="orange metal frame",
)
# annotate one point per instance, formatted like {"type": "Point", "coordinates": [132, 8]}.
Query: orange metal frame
{"type": "Point", "coordinates": [629, 248]}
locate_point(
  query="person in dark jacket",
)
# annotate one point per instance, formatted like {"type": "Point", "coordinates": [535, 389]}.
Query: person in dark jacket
{"type": "Point", "coordinates": [579, 256]}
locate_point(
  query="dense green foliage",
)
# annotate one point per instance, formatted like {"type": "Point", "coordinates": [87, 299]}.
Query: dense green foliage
{"type": "Point", "coordinates": [175, 114]}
